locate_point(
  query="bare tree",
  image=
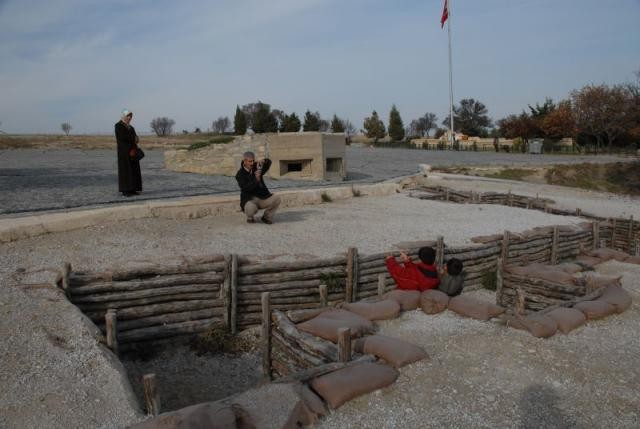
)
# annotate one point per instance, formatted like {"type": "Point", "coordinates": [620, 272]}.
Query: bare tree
{"type": "Point", "coordinates": [162, 126]}
{"type": "Point", "coordinates": [66, 127]}
{"type": "Point", "coordinates": [221, 125]}
{"type": "Point", "coordinates": [422, 126]}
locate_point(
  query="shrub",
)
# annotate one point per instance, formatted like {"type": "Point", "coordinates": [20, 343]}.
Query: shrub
{"type": "Point", "coordinates": [212, 140]}
{"type": "Point", "coordinates": [216, 340]}
{"type": "Point", "coordinates": [326, 198]}
{"type": "Point", "coordinates": [333, 281]}
{"type": "Point", "coordinates": [490, 280]}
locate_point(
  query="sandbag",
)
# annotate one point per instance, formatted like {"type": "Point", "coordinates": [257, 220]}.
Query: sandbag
{"type": "Point", "coordinates": [538, 325]}
{"type": "Point", "coordinates": [408, 299]}
{"type": "Point", "coordinates": [595, 309]}
{"type": "Point", "coordinates": [617, 297]}
{"type": "Point", "coordinates": [594, 281]}
{"type": "Point", "coordinates": [397, 353]}
{"type": "Point", "coordinates": [633, 260]}
{"type": "Point", "coordinates": [569, 267]}
{"type": "Point", "coordinates": [588, 262]}
{"type": "Point", "coordinates": [554, 276]}
{"type": "Point", "coordinates": [342, 385]}
{"type": "Point", "coordinates": [567, 319]}
{"type": "Point", "coordinates": [209, 415]}
{"type": "Point", "coordinates": [607, 254]}
{"type": "Point", "coordinates": [326, 325]}
{"type": "Point", "coordinates": [433, 301]}
{"type": "Point", "coordinates": [469, 307]}
{"type": "Point", "coordinates": [380, 310]}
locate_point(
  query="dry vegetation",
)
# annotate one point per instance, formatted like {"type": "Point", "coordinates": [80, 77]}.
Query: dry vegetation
{"type": "Point", "coordinates": [51, 141]}
{"type": "Point", "coordinates": [619, 177]}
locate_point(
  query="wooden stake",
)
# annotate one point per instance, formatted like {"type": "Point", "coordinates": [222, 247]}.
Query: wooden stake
{"type": "Point", "coordinates": [630, 237]}
{"type": "Point", "coordinates": [578, 211]}
{"type": "Point", "coordinates": [446, 195]}
{"type": "Point", "coordinates": [151, 395]}
{"type": "Point", "coordinates": [381, 284]}
{"type": "Point", "coordinates": [66, 270]}
{"type": "Point", "coordinates": [519, 303]}
{"type": "Point", "coordinates": [595, 232]}
{"type": "Point", "coordinates": [225, 291]}
{"type": "Point", "coordinates": [613, 235]}
{"type": "Point", "coordinates": [344, 344]}
{"type": "Point", "coordinates": [499, 282]}
{"type": "Point", "coordinates": [510, 198]}
{"type": "Point", "coordinates": [234, 294]}
{"type": "Point", "coordinates": [554, 246]}
{"type": "Point", "coordinates": [324, 295]}
{"type": "Point", "coordinates": [504, 252]}
{"type": "Point", "coordinates": [352, 274]}
{"type": "Point", "coordinates": [266, 335]}
{"type": "Point", "coordinates": [440, 252]}
{"type": "Point", "coordinates": [111, 324]}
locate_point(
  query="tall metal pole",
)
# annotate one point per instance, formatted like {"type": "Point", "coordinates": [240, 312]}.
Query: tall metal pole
{"type": "Point", "coordinates": [450, 73]}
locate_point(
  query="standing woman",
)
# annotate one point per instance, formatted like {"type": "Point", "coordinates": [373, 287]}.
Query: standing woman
{"type": "Point", "coordinates": [129, 177]}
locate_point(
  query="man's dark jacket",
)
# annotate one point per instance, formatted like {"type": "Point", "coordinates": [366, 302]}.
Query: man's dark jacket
{"type": "Point", "coordinates": [250, 187]}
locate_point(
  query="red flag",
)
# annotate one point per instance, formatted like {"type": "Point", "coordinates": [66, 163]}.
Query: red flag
{"type": "Point", "coordinates": [445, 14]}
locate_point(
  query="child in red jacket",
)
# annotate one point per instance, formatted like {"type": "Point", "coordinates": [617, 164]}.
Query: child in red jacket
{"type": "Point", "coordinates": [410, 276]}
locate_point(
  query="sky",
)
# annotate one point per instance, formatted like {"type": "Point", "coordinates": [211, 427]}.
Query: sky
{"type": "Point", "coordinates": [83, 61]}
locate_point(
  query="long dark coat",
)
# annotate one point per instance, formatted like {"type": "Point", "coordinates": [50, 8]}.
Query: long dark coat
{"type": "Point", "coordinates": [129, 177]}
{"type": "Point", "coordinates": [249, 186]}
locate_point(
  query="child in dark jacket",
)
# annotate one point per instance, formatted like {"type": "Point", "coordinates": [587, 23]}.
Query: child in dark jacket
{"type": "Point", "coordinates": [410, 276]}
{"type": "Point", "coordinates": [452, 278]}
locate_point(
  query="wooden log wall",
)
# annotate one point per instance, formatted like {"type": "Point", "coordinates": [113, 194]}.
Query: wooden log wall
{"type": "Point", "coordinates": [538, 293]}
{"type": "Point", "coordinates": [161, 301]}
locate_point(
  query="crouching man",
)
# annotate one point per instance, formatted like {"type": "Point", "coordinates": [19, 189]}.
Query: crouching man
{"type": "Point", "coordinates": [254, 194]}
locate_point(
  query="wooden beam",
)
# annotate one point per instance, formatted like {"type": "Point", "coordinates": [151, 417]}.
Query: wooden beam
{"type": "Point", "coordinates": [266, 336]}
{"type": "Point", "coordinates": [324, 295]}
{"type": "Point", "coordinates": [111, 324]}
{"type": "Point", "coordinates": [352, 274]}
{"type": "Point", "coordinates": [234, 294]}
{"type": "Point", "coordinates": [554, 246]}
{"type": "Point", "coordinates": [344, 344]}
{"type": "Point", "coordinates": [151, 395]}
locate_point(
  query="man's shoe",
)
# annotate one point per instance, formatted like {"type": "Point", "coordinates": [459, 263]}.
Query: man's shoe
{"type": "Point", "coordinates": [265, 220]}
{"type": "Point", "coordinates": [251, 220]}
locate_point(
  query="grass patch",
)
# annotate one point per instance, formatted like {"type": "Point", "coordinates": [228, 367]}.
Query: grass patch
{"type": "Point", "coordinates": [212, 140]}
{"type": "Point", "coordinates": [512, 174]}
{"type": "Point", "coordinates": [333, 281]}
{"type": "Point", "coordinates": [490, 280]}
{"type": "Point", "coordinates": [619, 177]}
{"type": "Point", "coordinates": [217, 340]}
{"type": "Point", "coordinates": [326, 198]}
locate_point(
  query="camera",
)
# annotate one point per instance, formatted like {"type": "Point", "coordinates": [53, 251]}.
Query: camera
{"type": "Point", "coordinates": [259, 166]}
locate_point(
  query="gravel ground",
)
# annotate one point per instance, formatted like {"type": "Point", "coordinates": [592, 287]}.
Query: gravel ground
{"type": "Point", "coordinates": [72, 383]}
{"type": "Point", "coordinates": [483, 375]}
{"type": "Point", "coordinates": [36, 180]}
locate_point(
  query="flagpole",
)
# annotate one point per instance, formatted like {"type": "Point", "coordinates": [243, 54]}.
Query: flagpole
{"type": "Point", "coordinates": [450, 73]}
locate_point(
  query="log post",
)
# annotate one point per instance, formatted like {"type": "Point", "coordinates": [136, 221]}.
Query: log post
{"type": "Point", "coordinates": [528, 204]}
{"type": "Point", "coordinates": [111, 324]}
{"type": "Point", "coordinates": [233, 311]}
{"type": "Point", "coordinates": [510, 198]}
{"type": "Point", "coordinates": [446, 195]}
{"type": "Point", "coordinates": [151, 396]}
{"type": "Point", "coordinates": [352, 274]}
{"type": "Point", "coordinates": [595, 232]}
{"type": "Point", "coordinates": [613, 235]}
{"type": "Point", "coordinates": [225, 292]}
{"type": "Point", "coordinates": [66, 271]}
{"type": "Point", "coordinates": [554, 245]}
{"type": "Point", "coordinates": [630, 237]}
{"type": "Point", "coordinates": [381, 284]}
{"type": "Point", "coordinates": [546, 208]}
{"type": "Point", "coordinates": [504, 252]}
{"type": "Point", "coordinates": [637, 247]}
{"type": "Point", "coordinates": [578, 211]}
{"type": "Point", "coordinates": [266, 335]}
{"type": "Point", "coordinates": [324, 295]}
{"type": "Point", "coordinates": [519, 302]}
{"type": "Point", "coordinates": [499, 282]}
{"type": "Point", "coordinates": [344, 344]}
{"type": "Point", "coordinates": [440, 251]}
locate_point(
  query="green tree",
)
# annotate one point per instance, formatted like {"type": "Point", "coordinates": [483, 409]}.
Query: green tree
{"type": "Point", "coordinates": [264, 121]}
{"type": "Point", "coordinates": [290, 123]}
{"type": "Point", "coordinates": [396, 127]}
{"type": "Point", "coordinates": [239, 122]}
{"type": "Point", "coordinates": [469, 118]}
{"type": "Point", "coordinates": [337, 125]}
{"type": "Point", "coordinates": [311, 121]}
{"type": "Point", "coordinates": [374, 127]}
